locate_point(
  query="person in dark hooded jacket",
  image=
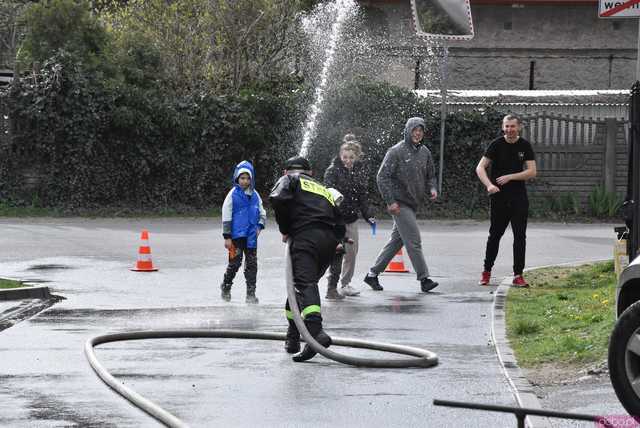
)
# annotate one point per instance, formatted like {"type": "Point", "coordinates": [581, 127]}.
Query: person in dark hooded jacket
{"type": "Point", "coordinates": [406, 176]}
{"type": "Point", "coordinates": [348, 175]}
{"type": "Point", "coordinates": [243, 217]}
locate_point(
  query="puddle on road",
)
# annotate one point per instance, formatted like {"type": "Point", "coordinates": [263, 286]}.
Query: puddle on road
{"type": "Point", "coordinates": [182, 315]}
{"type": "Point", "coordinates": [28, 309]}
{"type": "Point", "coordinates": [470, 299]}
{"type": "Point", "coordinates": [51, 266]}
{"type": "Point", "coordinates": [589, 240]}
{"type": "Point", "coordinates": [396, 304]}
{"type": "Point", "coordinates": [58, 315]}
{"type": "Point", "coordinates": [403, 299]}
{"type": "Point", "coordinates": [50, 408]}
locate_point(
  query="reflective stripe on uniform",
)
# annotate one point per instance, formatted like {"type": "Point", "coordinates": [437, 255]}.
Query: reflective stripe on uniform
{"type": "Point", "coordinates": [317, 188]}
{"type": "Point", "coordinates": [311, 309]}
{"type": "Point", "coordinates": [288, 314]}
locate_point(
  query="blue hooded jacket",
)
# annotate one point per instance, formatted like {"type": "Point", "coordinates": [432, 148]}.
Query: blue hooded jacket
{"type": "Point", "coordinates": [242, 210]}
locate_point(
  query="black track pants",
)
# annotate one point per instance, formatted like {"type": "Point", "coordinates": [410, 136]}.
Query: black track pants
{"type": "Point", "coordinates": [505, 210]}
{"type": "Point", "coordinates": [250, 264]}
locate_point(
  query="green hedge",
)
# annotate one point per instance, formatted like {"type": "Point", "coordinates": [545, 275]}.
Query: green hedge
{"type": "Point", "coordinates": [79, 141]}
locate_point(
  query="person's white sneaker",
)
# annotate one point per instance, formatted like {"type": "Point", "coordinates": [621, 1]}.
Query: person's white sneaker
{"type": "Point", "coordinates": [348, 290]}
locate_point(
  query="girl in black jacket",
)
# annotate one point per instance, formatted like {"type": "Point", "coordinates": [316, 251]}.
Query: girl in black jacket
{"type": "Point", "coordinates": [347, 175]}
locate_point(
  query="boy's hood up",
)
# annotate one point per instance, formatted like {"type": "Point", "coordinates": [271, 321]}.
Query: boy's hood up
{"type": "Point", "coordinates": [242, 167]}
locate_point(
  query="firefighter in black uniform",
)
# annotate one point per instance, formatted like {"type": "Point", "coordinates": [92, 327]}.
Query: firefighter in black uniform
{"type": "Point", "coordinates": [308, 217]}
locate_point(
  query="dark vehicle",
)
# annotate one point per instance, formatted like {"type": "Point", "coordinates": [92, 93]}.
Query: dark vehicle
{"type": "Point", "coordinates": [624, 344]}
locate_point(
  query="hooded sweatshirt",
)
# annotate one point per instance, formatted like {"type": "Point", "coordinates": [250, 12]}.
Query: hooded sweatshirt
{"type": "Point", "coordinates": [407, 173]}
{"type": "Point", "coordinates": [242, 210]}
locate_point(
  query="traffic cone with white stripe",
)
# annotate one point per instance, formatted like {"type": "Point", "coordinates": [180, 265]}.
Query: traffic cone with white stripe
{"type": "Point", "coordinates": [144, 263]}
{"type": "Point", "coordinates": [397, 263]}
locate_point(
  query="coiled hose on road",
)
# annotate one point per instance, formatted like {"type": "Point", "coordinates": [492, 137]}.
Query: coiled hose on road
{"type": "Point", "coordinates": [423, 358]}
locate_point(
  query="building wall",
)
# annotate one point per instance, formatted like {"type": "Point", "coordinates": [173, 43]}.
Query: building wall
{"type": "Point", "coordinates": [544, 26]}
{"type": "Point", "coordinates": [569, 46]}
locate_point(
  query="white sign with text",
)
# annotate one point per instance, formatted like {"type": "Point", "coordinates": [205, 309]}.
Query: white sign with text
{"type": "Point", "coordinates": [619, 8]}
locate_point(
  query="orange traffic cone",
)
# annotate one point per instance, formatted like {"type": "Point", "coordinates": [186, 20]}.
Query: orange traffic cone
{"type": "Point", "coordinates": [397, 264]}
{"type": "Point", "coordinates": [144, 263]}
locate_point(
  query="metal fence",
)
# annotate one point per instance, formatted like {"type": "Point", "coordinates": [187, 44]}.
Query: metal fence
{"type": "Point", "coordinates": [594, 110]}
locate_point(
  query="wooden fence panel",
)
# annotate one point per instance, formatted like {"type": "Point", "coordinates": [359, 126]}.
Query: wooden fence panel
{"type": "Point", "coordinates": [570, 153]}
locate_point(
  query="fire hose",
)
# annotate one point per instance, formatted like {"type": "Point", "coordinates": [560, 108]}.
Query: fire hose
{"type": "Point", "coordinates": [422, 358]}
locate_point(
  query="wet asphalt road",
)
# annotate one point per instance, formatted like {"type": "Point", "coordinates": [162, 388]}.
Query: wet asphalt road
{"type": "Point", "coordinates": [46, 381]}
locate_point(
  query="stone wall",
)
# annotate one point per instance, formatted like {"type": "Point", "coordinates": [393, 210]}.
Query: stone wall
{"type": "Point", "coordinates": [550, 46]}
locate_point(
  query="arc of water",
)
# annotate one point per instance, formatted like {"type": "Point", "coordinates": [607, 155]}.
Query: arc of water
{"type": "Point", "coordinates": [344, 9]}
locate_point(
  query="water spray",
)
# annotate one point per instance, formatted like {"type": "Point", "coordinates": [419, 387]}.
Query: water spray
{"type": "Point", "coordinates": [345, 8]}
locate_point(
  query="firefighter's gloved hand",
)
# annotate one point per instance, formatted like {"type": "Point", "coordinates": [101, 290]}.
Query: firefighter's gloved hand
{"type": "Point", "coordinates": [340, 249]}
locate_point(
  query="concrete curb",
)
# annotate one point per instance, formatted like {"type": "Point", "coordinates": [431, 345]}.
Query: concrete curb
{"type": "Point", "coordinates": [522, 389]}
{"type": "Point", "coordinates": [25, 293]}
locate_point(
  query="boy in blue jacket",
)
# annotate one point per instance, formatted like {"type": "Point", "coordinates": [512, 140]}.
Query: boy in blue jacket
{"type": "Point", "coordinates": [243, 217]}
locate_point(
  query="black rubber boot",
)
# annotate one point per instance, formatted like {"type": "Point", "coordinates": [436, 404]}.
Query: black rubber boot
{"type": "Point", "coordinates": [292, 342]}
{"type": "Point", "coordinates": [251, 295]}
{"type": "Point", "coordinates": [226, 291]}
{"type": "Point", "coordinates": [319, 335]}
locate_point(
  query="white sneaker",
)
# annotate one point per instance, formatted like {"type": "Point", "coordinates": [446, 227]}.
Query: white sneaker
{"type": "Point", "coordinates": [348, 290]}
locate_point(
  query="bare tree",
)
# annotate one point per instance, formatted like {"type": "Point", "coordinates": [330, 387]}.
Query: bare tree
{"type": "Point", "coordinates": [225, 45]}
{"type": "Point", "coordinates": [10, 31]}
{"type": "Point", "coordinates": [255, 40]}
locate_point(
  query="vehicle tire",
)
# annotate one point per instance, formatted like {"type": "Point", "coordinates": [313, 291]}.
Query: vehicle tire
{"type": "Point", "coordinates": [624, 359]}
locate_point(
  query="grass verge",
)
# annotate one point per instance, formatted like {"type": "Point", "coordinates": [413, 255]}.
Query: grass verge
{"type": "Point", "coordinates": [9, 283]}
{"type": "Point", "coordinates": [565, 317]}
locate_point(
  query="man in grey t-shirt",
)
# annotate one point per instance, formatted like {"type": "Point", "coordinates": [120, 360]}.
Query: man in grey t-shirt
{"type": "Point", "coordinates": [405, 177]}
